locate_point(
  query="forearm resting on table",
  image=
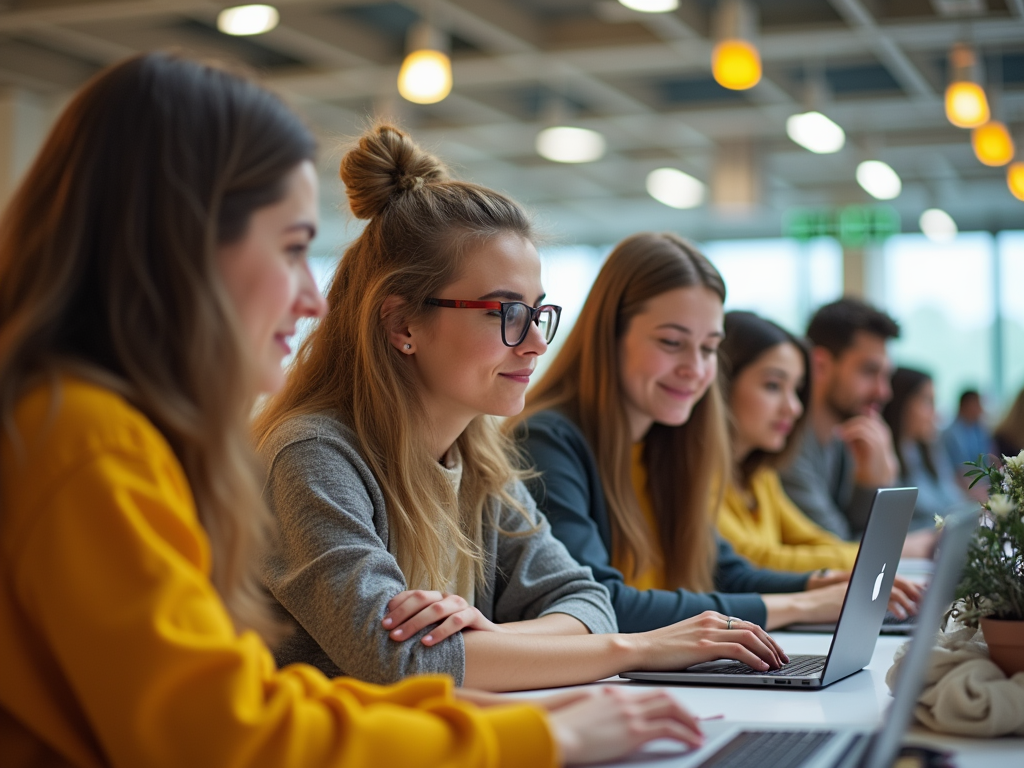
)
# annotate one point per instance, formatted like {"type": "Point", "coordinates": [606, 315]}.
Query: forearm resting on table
{"type": "Point", "coordinates": [500, 661]}
{"type": "Point", "coordinates": [551, 624]}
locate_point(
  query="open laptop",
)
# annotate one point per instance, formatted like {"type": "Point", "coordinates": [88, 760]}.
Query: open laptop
{"type": "Point", "coordinates": [859, 621]}
{"type": "Point", "coordinates": [819, 745]}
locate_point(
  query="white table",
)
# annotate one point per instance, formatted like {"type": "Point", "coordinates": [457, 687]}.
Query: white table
{"type": "Point", "coordinates": [859, 699]}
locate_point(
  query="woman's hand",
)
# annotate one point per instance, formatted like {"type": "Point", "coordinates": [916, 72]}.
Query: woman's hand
{"type": "Point", "coordinates": [903, 599]}
{"type": "Point", "coordinates": [708, 637]}
{"type": "Point", "coordinates": [601, 724]}
{"type": "Point", "coordinates": [412, 610]}
{"type": "Point", "coordinates": [905, 596]}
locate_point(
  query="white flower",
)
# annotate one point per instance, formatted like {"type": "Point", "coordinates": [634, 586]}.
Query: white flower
{"type": "Point", "coordinates": [940, 522]}
{"type": "Point", "coordinates": [1014, 462]}
{"type": "Point", "coordinates": [1001, 505]}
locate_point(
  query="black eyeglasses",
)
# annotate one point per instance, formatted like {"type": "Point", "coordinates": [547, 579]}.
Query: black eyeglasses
{"type": "Point", "coordinates": [516, 317]}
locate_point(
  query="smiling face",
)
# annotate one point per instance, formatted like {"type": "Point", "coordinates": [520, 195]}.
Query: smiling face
{"type": "Point", "coordinates": [668, 357]}
{"type": "Point", "coordinates": [463, 368]}
{"type": "Point", "coordinates": [764, 400]}
{"type": "Point", "coordinates": [267, 275]}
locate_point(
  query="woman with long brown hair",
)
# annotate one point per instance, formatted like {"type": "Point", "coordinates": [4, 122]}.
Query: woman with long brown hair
{"type": "Point", "coordinates": [627, 433]}
{"type": "Point", "coordinates": [409, 542]}
{"type": "Point", "coordinates": [152, 270]}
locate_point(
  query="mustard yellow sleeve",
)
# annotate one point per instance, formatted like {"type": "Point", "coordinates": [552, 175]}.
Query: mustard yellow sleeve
{"type": "Point", "coordinates": [111, 576]}
{"type": "Point", "coordinates": [780, 536]}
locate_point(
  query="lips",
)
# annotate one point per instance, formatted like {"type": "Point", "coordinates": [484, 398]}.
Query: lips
{"type": "Point", "coordinates": [678, 394]}
{"type": "Point", "coordinates": [521, 376]}
{"type": "Point", "coordinates": [282, 340]}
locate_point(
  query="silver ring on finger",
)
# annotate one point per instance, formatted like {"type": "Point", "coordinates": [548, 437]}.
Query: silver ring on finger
{"type": "Point", "coordinates": [729, 621]}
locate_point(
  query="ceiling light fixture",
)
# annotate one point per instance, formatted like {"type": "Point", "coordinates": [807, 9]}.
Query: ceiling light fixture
{"type": "Point", "coordinates": [992, 143]}
{"type": "Point", "coordinates": [674, 188]}
{"type": "Point", "coordinates": [248, 19]}
{"type": "Point", "coordinates": [566, 144]}
{"type": "Point", "coordinates": [426, 73]}
{"type": "Point", "coordinates": [938, 226]}
{"type": "Point", "coordinates": [1015, 179]}
{"type": "Point", "coordinates": [735, 61]}
{"type": "Point", "coordinates": [651, 6]}
{"type": "Point", "coordinates": [879, 180]}
{"type": "Point", "coordinates": [966, 103]}
{"type": "Point", "coordinates": [815, 132]}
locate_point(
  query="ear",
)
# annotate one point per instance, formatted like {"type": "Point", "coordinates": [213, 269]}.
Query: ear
{"type": "Point", "coordinates": [392, 316]}
{"type": "Point", "coordinates": [821, 365]}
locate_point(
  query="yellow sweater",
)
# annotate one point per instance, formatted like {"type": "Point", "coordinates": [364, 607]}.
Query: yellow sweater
{"type": "Point", "coordinates": [776, 534]}
{"type": "Point", "coordinates": [117, 650]}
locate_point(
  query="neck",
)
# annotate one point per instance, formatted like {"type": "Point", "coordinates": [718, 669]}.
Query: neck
{"type": "Point", "coordinates": [822, 419]}
{"type": "Point", "coordinates": [740, 449]}
{"type": "Point", "coordinates": [639, 425]}
{"type": "Point", "coordinates": [443, 429]}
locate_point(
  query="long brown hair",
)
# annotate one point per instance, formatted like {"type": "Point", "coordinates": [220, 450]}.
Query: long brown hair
{"type": "Point", "coordinates": [108, 268]}
{"type": "Point", "coordinates": [420, 222]}
{"type": "Point", "coordinates": [686, 464]}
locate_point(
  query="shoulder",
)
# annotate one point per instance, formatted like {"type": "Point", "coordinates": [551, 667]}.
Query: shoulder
{"type": "Point", "coordinates": [72, 420]}
{"type": "Point", "coordinates": [555, 432]}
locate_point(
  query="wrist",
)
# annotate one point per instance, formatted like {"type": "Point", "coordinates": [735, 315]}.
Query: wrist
{"type": "Point", "coordinates": [628, 651]}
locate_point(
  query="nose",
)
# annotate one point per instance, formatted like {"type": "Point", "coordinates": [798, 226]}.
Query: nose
{"type": "Point", "coordinates": [693, 363]}
{"type": "Point", "coordinates": [794, 408]}
{"type": "Point", "coordinates": [311, 303]}
{"type": "Point", "coordinates": [533, 344]}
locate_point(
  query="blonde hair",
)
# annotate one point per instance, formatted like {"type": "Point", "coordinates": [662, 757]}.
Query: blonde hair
{"type": "Point", "coordinates": [109, 269]}
{"type": "Point", "coordinates": [419, 226]}
{"type": "Point", "coordinates": [686, 464]}
{"type": "Point", "coordinates": [1011, 428]}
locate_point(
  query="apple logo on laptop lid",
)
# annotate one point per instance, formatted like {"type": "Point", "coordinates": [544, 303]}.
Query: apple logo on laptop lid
{"type": "Point", "coordinates": [878, 584]}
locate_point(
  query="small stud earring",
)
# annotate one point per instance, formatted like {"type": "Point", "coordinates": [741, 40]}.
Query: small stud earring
{"type": "Point", "coordinates": [408, 346]}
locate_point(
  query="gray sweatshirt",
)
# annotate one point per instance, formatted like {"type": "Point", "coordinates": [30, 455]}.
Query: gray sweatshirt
{"type": "Point", "coordinates": [333, 575]}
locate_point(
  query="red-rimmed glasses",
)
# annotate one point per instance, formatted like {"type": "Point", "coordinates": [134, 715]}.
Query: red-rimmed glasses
{"type": "Point", "coordinates": [516, 317]}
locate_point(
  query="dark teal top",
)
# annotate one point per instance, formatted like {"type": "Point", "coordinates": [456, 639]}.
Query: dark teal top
{"type": "Point", "coordinates": [570, 494]}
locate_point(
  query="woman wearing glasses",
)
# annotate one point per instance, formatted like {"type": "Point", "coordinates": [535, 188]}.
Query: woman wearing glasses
{"type": "Point", "coordinates": [627, 432]}
{"type": "Point", "coordinates": [409, 543]}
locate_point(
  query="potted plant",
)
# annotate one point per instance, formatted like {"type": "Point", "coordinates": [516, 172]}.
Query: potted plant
{"type": "Point", "coordinates": [991, 591]}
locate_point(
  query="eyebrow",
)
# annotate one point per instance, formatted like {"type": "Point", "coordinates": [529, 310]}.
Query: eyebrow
{"type": "Point", "coordinates": [510, 295]}
{"type": "Point", "coordinates": [310, 228]}
{"type": "Point", "coordinates": [684, 329]}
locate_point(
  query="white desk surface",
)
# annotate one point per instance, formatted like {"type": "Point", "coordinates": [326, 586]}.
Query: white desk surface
{"type": "Point", "coordinates": [859, 699]}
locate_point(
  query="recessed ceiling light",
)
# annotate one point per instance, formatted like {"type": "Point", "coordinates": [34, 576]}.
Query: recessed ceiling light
{"type": "Point", "coordinates": [565, 144]}
{"type": "Point", "coordinates": [879, 179]}
{"type": "Point", "coordinates": [938, 226]}
{"type": "Point", "coordinates": [814, 131]}
{"type": "Point", "coordinates": [247, 19]}
{"type": "Point", "coordinates": [651, 6]}
{"type": "Point", "coordinates": [674, 188]}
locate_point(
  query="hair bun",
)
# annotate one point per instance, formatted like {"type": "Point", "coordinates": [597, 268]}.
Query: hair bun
{"type": "Point", "coordinates": [386, 162]}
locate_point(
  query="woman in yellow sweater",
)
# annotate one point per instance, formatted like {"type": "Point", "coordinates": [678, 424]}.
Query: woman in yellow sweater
{"type": "Point", "coordinates": [152, 270]}
{"type": "Point", "coordinates": [766, 385]}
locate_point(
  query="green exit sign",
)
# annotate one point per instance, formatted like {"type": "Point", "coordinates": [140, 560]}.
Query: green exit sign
{"type": "Point", "coordinates": [854, 225]}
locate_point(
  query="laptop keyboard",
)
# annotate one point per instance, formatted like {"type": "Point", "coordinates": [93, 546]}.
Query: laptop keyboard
{"type": "Point", "coordinates": [798, 666]}
{"type": "Point", "coordinates": [891, 620]}
{"type": "Point", "coordinates": [768, 749]}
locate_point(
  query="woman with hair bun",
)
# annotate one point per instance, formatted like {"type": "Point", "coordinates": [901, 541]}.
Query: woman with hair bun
{"type": "Point", "coordinates": [409, 542]}
{"type": "Point", "coordinates": [152, 270]}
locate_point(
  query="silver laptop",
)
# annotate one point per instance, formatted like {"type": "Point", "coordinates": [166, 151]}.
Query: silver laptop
{"type": "Point", "coordinates": [859, 621]}
{"type": "Point", "coordinates": [819, 745]}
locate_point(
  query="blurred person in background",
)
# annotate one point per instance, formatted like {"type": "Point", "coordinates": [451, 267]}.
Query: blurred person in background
{"type": "Point", "coordinates": [967, 437]}
{"type": "Point", "coordinates": [767, 388]}
{"type": "Point", "coordinates": [848, 453]}
{"type": "Point", "coordinates": [923, 461]}
{"type": "Point", "coordinates": [1009, 435]}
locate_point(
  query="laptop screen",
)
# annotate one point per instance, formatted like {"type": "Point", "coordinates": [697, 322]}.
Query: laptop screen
{"type": "Point", "coordinates": [956, 536]}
